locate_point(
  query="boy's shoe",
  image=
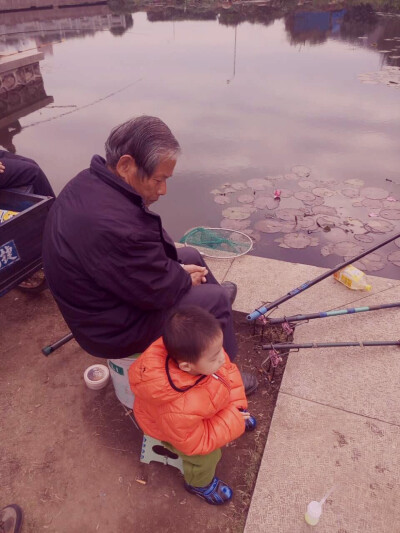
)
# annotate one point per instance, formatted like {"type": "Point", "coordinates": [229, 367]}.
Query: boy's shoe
{"type": "Point", "coordinates": [11, 519]}
{"type": "Point", "coordinates": [250, 424]}
{"type": "Point", "coordinates": [250, 382]}
{"type": "Point", "coordinates": [216, 493]}
{"type": "Point", "coordinates": [231, 288]}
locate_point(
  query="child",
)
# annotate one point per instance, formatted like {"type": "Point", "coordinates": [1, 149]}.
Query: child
{"type": "Point", "coordinates": [190, 396]}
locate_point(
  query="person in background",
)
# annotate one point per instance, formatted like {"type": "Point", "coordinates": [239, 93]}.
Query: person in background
{"type": "Point", "coordinates": [113, 270]}
{"type": "Point", "coordinates": [190, 396]}
{"type": "Point", "coordinates": [17, 171]}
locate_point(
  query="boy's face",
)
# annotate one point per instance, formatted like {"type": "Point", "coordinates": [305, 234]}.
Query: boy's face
{"type": "Point", "coordinates": [210, 360]}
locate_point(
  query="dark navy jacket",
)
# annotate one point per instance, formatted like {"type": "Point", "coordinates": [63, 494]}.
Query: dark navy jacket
{"type": "Point", "coordinates": [111, 267]}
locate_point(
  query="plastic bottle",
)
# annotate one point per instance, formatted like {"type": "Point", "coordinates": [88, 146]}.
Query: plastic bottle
{"type": "Point", "coordinates": [313, 513]}
{"type": "Point", "coordinates": [353, 278]}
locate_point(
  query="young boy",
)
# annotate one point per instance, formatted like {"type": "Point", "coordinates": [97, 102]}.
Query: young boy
{"type": "Point", "coordinates": [190, 396]}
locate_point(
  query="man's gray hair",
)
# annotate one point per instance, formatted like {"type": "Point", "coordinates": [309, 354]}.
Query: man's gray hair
{"type": "Point", "coordinates": [147, 139]}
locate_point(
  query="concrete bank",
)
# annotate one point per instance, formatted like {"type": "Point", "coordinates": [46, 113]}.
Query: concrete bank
{"type": "Point", "coordinates": [337, 419]}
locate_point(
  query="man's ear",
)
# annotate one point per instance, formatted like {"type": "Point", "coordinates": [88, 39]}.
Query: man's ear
{"type": "Point", "coordinates": [126, 166]}
{"type": "Point", "coordinates": [185, 366]}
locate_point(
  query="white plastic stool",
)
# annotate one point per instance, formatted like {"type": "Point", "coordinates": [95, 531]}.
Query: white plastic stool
{"type": "Point", "coordinates": [153, 450]}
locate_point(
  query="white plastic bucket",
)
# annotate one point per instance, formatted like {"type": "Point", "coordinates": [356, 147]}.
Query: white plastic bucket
{"type": "Point", "coordinates": [119, 375]}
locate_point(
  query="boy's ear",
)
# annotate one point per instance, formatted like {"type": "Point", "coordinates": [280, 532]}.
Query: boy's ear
{"type": "Point", "coordinates": [185, 366]}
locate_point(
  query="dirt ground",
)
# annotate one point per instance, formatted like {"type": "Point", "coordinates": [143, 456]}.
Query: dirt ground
{"type": "Point", "coordinates": [69, 456]}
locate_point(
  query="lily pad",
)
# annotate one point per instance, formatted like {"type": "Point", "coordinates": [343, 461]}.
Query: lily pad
{"type": "Point", "coordinates": [272, 225]}
{"type": "Point", "coordinates": [364, 238]}
{"type": "Point", "coordinates": [239, 186]}
{"type": "Point", "coordinates": [291, 176]}
{"type": "Point", "coordinates": [374, 193]}
{"type": "Point", "coordinates": [307, 223]}
{"type": "Point", "coordinates": [354, 182]}
{"type": "Point", "coordinates": [229, 190]}
{"type": "Point", "coordinates": [289, 214]}
{"type": "Point", "coordinates": [286, 193]}
{"type": "Point", "coordinates": [239, 225]}
{"type": "Point", "coordinates": [301, 171]}
{"type": "Point", "coordinates": [216, 191]}
{"type": "Point", "coordinates": [323, 191]}
{"type": "Point", "coordinates": [394, 258]}
{"type": "Point", "coordinates": [221, 200]}
{"type": "Point", "coordinates": [306, 184]}
{"type": "Point", "coordinates": [374, 204]}
{"type": "Point", "coordinates": [297, 240]}
{"type": "Point", "coordinates": [379, 226]}
{"type": "Point", "coordinates": [397, 242]}
{"type": "Point", "coordinates": [266, 202]}
{"type": "Point", "coordinates": [236, 213]}
{"type": "Point", "coordinates": [327, 222]}
{"type": "Point", "coordinates": [246, 198]}
{"type": "Point", "coordinates": [371, 263]}
{"type": "Point", "coordinates": [355, 225]}
{"type": "Point", "coordinates": [336, 235]}
{"type": "Point", "coordinates": [324, 210]}
{"type": "Point", "coordinates": [347, 248]}
{"type": "Point", "coordinates": [350, 193]}
{"type": "Point", "coordinates": [390, 214]}
{"type": "Point", "coordinates": [257, 184]}
{"type": "Point", "coordinates": [305, 196]}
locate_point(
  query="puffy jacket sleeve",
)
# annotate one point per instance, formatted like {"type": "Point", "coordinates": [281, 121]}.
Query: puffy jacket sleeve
{"type": "Point", "coordinates": [137, 270]}
{"type": "Point", "coordinates": [194, 435]}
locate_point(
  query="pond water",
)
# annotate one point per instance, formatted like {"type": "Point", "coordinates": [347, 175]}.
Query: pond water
{"type": "Point", "coordinates": [307, 102]}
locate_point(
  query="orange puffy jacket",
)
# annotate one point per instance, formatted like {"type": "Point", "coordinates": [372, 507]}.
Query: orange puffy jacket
{"type": "Point", "coordinates": [196, 414]}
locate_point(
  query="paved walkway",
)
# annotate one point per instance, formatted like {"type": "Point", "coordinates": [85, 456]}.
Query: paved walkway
{"type": "Point", "coordinates": [337, 419]}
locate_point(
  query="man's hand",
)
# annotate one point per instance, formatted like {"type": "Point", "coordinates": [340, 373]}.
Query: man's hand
{"type": "Point", "coordinates": [197, 273]}
{"type": "Point", "coordinates": [2, 167]}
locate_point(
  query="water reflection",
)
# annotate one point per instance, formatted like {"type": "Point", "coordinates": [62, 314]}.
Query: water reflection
{"type": "Point", "coordinates": [250, 91]}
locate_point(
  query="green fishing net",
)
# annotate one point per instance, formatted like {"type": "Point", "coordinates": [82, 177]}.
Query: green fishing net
{"type": "Point", "coordinates": [215, 242]}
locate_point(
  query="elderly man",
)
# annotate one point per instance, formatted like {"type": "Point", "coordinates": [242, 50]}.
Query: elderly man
{"type": "Point", "coordinates": [112, 268]}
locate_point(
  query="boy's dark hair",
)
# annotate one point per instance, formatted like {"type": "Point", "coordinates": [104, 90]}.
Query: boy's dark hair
{"type": "Point", "coordinates": [188, 332]}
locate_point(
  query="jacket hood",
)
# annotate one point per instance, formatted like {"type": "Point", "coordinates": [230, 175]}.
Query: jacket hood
{"type": "Point", "coordinates": [149, 377]}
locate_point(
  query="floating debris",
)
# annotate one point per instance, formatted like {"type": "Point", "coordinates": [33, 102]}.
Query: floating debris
{"type": "Point", "coordinates": [216, 191]}
{"type": "Point", "coordinates": [389, 75]}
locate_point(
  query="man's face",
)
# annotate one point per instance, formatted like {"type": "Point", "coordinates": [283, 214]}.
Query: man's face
{"type": "Point", "coordinates": [150, 189]}
{"type": "Point", "coordinates": [211, 359]}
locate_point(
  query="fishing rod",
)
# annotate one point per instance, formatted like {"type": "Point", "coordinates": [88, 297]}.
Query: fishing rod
{"type": "Point", "coordinates": [293, 346]}
{"type": "Point", "coordinates": [47, 350]}
{"type": "Point", "coordinates": [263, 309]}
{"type": "Point", "coordinates": [326, 314]}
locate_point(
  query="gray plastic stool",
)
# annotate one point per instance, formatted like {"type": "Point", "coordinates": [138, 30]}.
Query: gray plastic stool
{"type": "Point", "coordinates": [153, 450]}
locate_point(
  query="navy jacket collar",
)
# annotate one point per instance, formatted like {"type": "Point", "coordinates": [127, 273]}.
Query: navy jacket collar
{"type": "Point", "coordinates": [98, 166]}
